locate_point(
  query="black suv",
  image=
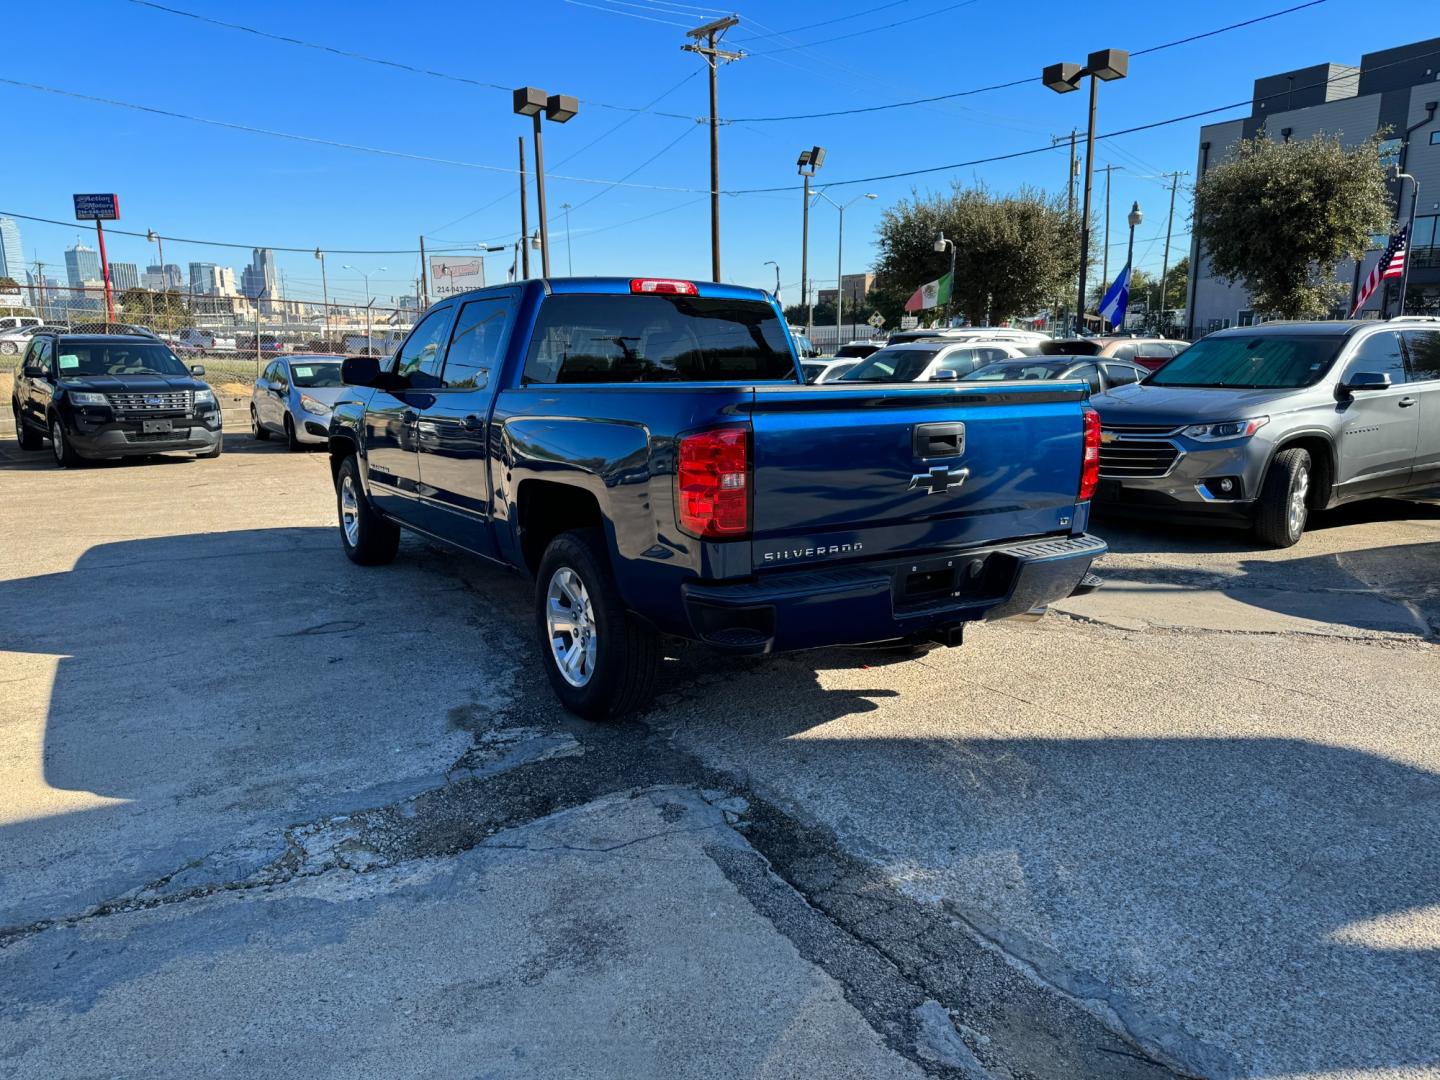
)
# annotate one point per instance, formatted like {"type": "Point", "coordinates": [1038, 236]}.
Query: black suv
{"type": "Point", "coordinates": [112, 395]}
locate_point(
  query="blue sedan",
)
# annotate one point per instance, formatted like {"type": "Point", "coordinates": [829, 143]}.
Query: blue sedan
{"type": "Point", "coordinates": [293, 397]}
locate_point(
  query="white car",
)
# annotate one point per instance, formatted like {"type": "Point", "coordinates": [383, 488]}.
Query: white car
{"type": "Point", "coordinates": [14, 339]}
{"type": "Point", "coordinates": [827, 369]}
{"type": "Point", "coordinates": [971, 333]}
{"type": "Point", "coordinates": [926, 361]}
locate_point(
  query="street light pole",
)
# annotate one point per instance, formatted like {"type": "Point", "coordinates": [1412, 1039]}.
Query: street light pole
{"type": "Point", "coordinates": [776, 265]}
{"type": "Point", "coordinates": [559, 108]}
{"type": "Point", "coordinates": [324, 294]}
{"type": "Point", "coordinates": [840, 255]}
{"type": "Point", "coordinates": [524, 218]}
{"type": "Point", "coordinates": [809, 160]}
{"type": "Point", "coordinates": [942, 242]}
{"type": "Point", "coordinates": [1134, 219]}
{"type": "Point", "coordinates": [368, 301]}
{"type": "Point", "coordinates": [1062, 78]}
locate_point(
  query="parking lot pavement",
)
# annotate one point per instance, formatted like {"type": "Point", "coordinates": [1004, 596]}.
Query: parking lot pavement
{"type": "Point", "coordinates": [265, 810]}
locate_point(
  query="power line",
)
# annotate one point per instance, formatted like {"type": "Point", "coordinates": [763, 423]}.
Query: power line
{"type": "Point", "coordinates": [826, 22]}
{"type": "Point", "coordinates": [314, 139]}
{"type": "Point", "coordinates": [227, 244]}
{"type": "Point", "coordinates": [870, 30]}
{"type": "Point", "coordinates": [350, 54]}
{"type": "Point", "coordinates": [1016, 82]}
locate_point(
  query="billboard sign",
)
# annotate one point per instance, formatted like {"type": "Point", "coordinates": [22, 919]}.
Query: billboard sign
{"type": "Point", "coordinates": [450, 275]}
{"type": "Point", "coordinates": [97, 207]}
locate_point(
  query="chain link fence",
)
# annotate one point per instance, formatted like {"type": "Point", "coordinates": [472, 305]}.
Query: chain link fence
{"type": "Point", "coordinates": [233, 337]}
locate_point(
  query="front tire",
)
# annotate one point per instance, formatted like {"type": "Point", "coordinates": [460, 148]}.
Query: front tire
{"type": "Point", "coordinates": [65, 455]}
{"type": "Point", "coordinates": [292, 441]}
{"type": "Point", "coordinates": [215, 451]}
{"type": "Point", "coordinates": [600, 659]}
{"type": "Point", "coordinates": [368, 538]}
{"type": "Point", "coordinates": [257, 429]}
{"type": "Point", "coordinates": [1283, 507]}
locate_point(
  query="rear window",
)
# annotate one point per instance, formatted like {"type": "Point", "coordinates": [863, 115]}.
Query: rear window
{"type": "Point", "coordinates": [895, 365]}
{"type": "Point", "coordinates": [657, 338]}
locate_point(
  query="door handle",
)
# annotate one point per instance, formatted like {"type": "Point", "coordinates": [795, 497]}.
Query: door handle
{"type": "Point", "coordinates": [1406, 402]}
{"type": "Point", "coordinates": [471, 423]}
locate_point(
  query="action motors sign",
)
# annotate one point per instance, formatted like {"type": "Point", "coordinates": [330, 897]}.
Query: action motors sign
{"type": "Point", "coordinates": [450, 276]}
{"type": "Point", "coordinates": [97, 207]}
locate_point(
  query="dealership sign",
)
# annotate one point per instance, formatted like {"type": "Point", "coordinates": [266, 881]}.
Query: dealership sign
{"type": "Point", "coordinates": [97, 207]}
{"type": "Point", "coordinates": [449, 276]}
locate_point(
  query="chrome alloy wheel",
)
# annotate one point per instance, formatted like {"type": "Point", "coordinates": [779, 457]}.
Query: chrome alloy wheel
{"type": "Point", "coordinates": [1299, 490]}
{"type": "Point", "coordinates": [57, 440]}
{"type": "Point", "coordinates": [570, 619]}
{"type": "Point", "coordinates": [350, 511]}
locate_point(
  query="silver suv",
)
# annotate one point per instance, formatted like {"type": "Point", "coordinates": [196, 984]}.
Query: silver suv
{"type": "Point", "coordinates": [1260, 425]}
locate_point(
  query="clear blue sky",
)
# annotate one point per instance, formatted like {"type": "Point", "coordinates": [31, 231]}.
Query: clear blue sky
{"type": "Point", "coordinates": [189, 180]}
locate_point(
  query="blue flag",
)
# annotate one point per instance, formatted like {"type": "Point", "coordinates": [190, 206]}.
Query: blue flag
{"type": "Point", "coordinates": [1116, 299]}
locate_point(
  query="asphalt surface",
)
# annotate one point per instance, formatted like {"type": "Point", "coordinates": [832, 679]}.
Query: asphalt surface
{"type": "Point", "coordinates": [262, 810]}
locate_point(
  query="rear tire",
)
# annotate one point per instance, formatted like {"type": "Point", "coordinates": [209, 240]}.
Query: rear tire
{"type": "Point", "coordinates": [579, 614]}
{"type": "Point", "coordinates": [1283, 509]}
{"type": "Point", "coordinates": [65, 455]}
{"type": "Point", "coordinates": [257, 429]}
{"type": "Point", "coordinates": [27, 437]}
{"type": "Point", "coordinates": [368, 538]}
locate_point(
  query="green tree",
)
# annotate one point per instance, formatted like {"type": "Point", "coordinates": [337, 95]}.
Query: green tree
{"type": "Point", "coordinates": [161, 311]}
{"type": "Point", "coordinates": [1280, 216]}
{"type": "Point", "coordinates": [1014, 254]}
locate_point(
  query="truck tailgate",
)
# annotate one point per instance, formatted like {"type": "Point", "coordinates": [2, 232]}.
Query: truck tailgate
{"type": "Point", "coordinates": [855, 472]}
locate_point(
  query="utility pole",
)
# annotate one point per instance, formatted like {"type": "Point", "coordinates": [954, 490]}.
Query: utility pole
{"type": "Point", "coordinates": [1169, 225]}
{"type": "Point", "coordinates": [711, 33]}
{"type": "Point", "coordinates": [524, 219]}
{"type": "Point", "coordinates": [1056, 140]}
{"type": "Point", "coordinates": [422, 299]}
{"type": "Point", "coordinates": [1105, 258]}
{"type": "Point", "coordinates": [569, 255]}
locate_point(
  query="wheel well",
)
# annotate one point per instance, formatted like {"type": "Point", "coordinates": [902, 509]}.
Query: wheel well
{"type": "Point", "coordinates": [340, 449]}
{"type": "Point", "coordinates": [1322, 466]}
{"type": "Point", "coordinates": [546, 510]}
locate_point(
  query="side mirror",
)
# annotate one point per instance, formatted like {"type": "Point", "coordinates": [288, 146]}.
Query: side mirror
{"type": "Point", "coordinates": [360, 370]}
{"type": "Point", "coordinates": [1365, 380]}
{"type": "Point", "coordinates": [944, 374]}
{"type": "Point", "coordinates": [197, 370]}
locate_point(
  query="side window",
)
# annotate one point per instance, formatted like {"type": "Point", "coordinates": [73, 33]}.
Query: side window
{"type": "Point", "coordinates": [420, 357]}
{"type": "Point", "coordinates": [1424, 349]}
{"type": "Point", "coordinates": [273, 371]}
{"type": "Point", "coordinates": [1125, 352]}
{"type": "Point", "coordinates": [1120, 374]}
{"type": "Point", "coordinates": [961, 360]}
{"type": "Point", "coordinates": [1379, 353]}
{"type": "Point", "coordinates": [477, 345]}
{"type": "Point", "coordinates": [1091, 376]}
{"type": "Point", "coordinates": [280, 376]}
{"type": "Point", "coordinates": [45, 356]}
{"type": "Point", "coordinates": [30, 355]}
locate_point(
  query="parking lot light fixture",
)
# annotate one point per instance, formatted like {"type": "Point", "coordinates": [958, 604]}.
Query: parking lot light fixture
{"type": "Point", "coordinates": [1102, 65]}
{"type": "Point", "coordinates": [808, 162]}
{"type": "Point", "coordinates": [559, 108]}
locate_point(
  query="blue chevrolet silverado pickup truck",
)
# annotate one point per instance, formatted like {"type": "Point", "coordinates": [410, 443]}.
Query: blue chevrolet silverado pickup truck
{"type": "Point", "coordinates": [648, 450]}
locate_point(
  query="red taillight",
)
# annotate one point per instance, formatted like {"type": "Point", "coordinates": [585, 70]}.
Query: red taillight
{"type": "Point", "coordinates": [663, 285]}
{"type": "Point", "coordinates": [713, 481]}
{"type": "Point", "coordinates": [1090, 466]}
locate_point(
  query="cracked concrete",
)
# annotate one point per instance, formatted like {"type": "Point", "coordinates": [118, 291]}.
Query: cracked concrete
{"type": "Point", "coordinates": [1067, 850]}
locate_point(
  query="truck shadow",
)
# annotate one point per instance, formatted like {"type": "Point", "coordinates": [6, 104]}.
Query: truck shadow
{"type": "Point", "coordinates": [211, 689]}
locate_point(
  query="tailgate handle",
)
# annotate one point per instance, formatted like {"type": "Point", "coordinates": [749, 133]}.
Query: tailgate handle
{"type": "Point", "coordinates": [939, 440]}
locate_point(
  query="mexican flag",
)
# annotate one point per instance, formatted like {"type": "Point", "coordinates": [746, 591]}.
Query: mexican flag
{"type": "Point", "coordinates": [932, 294]}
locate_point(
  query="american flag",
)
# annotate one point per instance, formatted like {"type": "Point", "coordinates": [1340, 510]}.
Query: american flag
{"type": "Point", "coordinates": [1390, 265]}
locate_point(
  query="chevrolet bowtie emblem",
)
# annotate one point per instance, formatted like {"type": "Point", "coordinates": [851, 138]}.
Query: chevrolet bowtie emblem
{"type": "Point", "coordinates": [1107, 437]}
{"type": "Point", "coordinates": [939, 480]}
